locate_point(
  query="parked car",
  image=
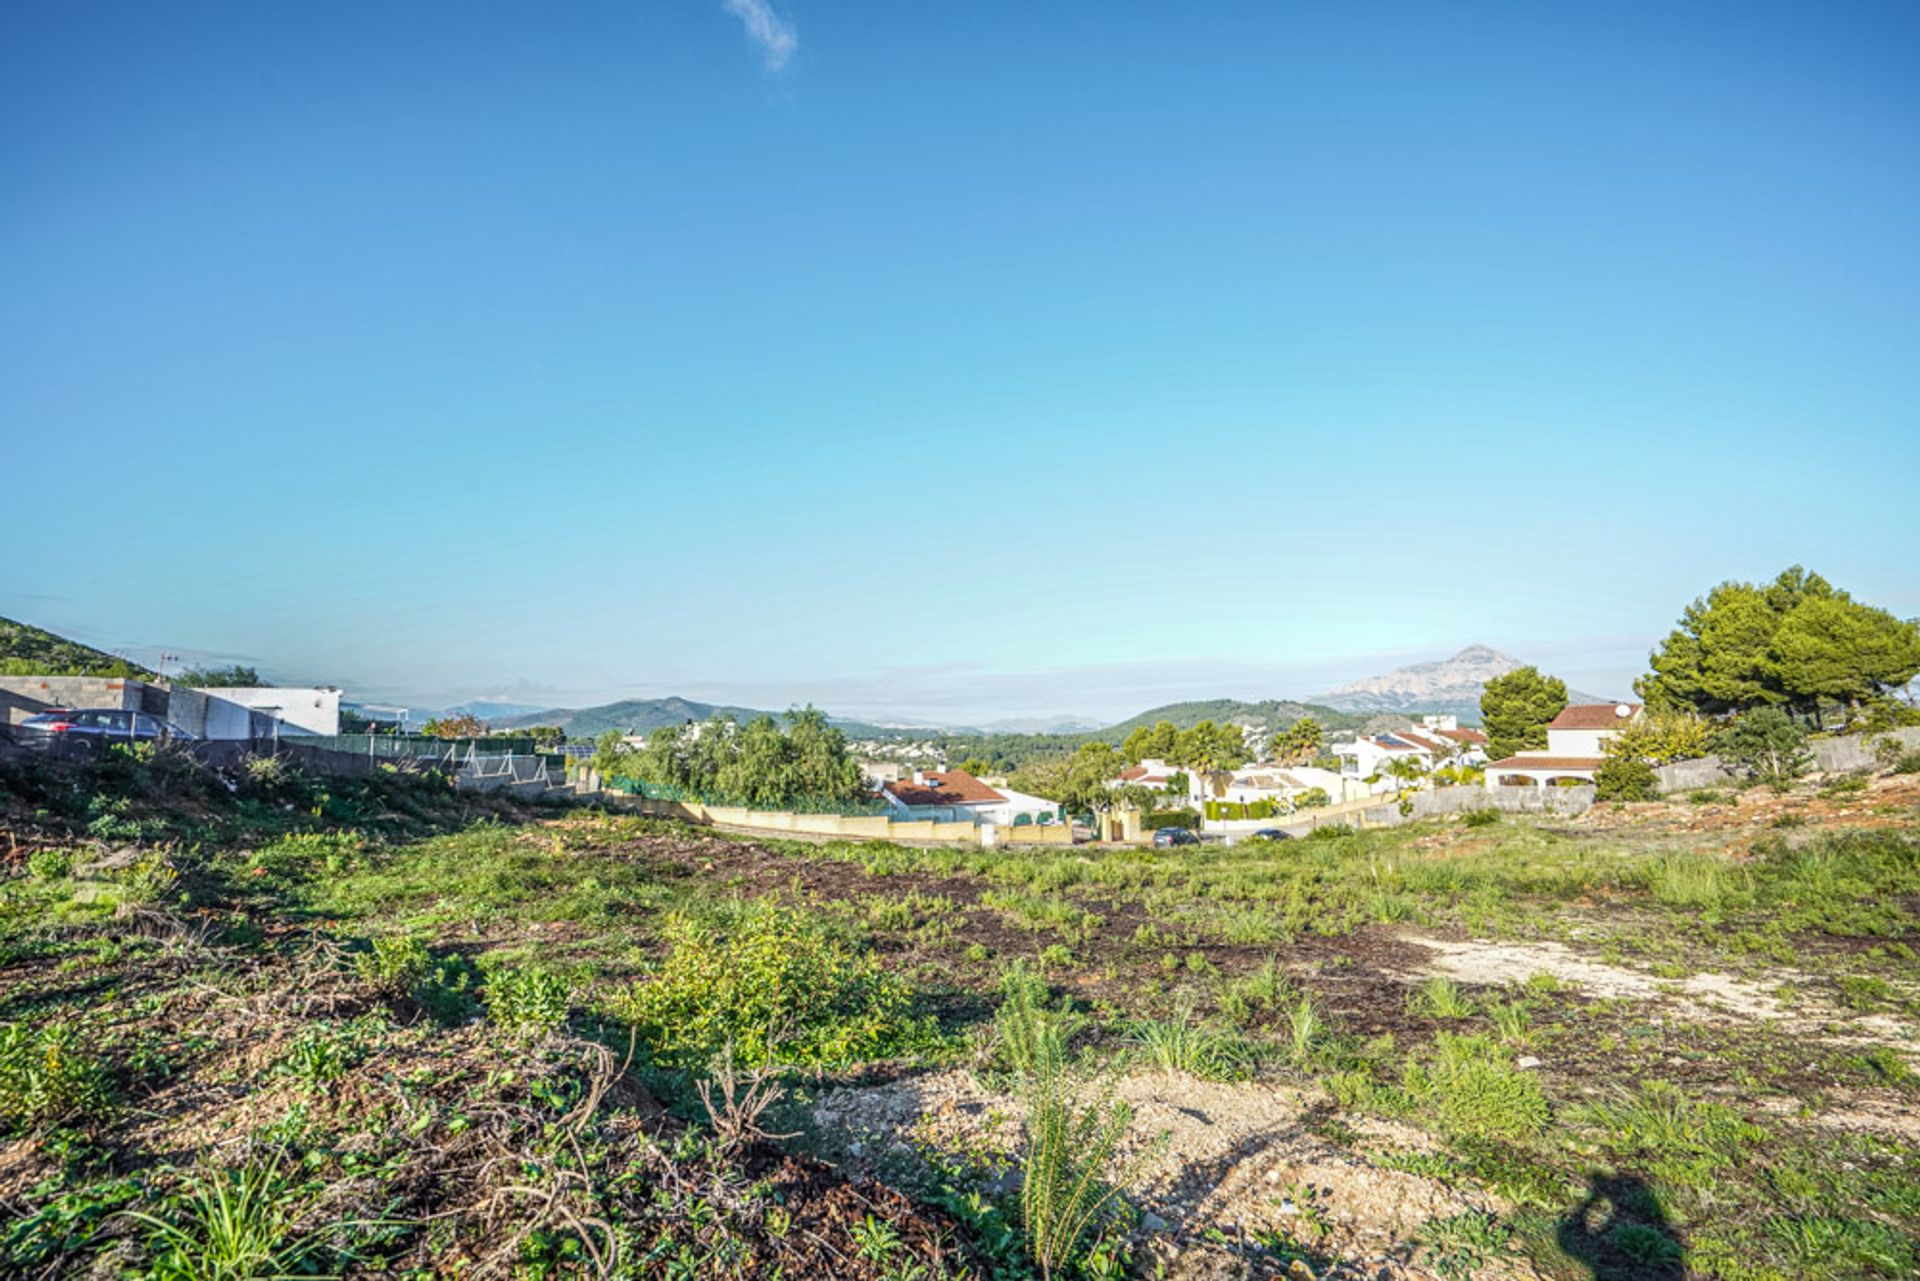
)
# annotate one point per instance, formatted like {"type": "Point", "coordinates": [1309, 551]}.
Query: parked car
{"type": "Point", "coordinates": [86, 731]}
{"type": "Point", "coordinates": [1168, 836]}
{"type": "Point", "coordinates": [1272, 834]}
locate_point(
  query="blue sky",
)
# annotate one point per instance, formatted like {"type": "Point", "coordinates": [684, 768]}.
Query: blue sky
{"type": "Point", "coordinates": [960, 360]}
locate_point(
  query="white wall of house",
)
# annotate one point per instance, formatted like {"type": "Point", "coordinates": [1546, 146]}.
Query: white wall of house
{"type": "Point", "coordinates": [300, 710]}
{"type": "Point", "coordinates": [1578, 742]}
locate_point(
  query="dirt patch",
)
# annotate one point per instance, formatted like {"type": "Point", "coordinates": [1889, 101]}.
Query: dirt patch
{"type": "Point", "coordinates": [1884, 802]}
{"type": "Point", "coordinates": [1232, 1162]}
{"type": "Point", "coordinates": [1705, 997]}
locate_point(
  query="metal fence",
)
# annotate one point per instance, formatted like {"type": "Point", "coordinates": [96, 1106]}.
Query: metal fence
{"type": "Point", "coordinates": [797, 805]}
{"type": "Point", "coordinates": [422, 747]}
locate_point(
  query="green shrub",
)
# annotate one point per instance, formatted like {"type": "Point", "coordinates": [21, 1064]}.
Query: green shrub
{"type": "Point", "coordinates": [1625, 778]}
{"type": "Point", "coordinates": [1330, 832]}
{"type": "Point", "coordinates": [45, 1076]}
{"type": "Point", "coordinates": [50, 864]}
{"type": "Point", "coordinates": [1028, 1032]}
{"type": "Point", "coordinates": [1069, 1200]}
{"type": "Point", "coordinates": [1469, 1087]}
{"type": "Point", "coordinates": [528, 1000]}
{"type": "Point", "coordinates": [1188, 819]}
{"type": "Point", "coordinates": [779, 990]}
{"type": "Point", "coordinates": [1486, 816]}
{"type": "Point", "coordinates": [1907, 763]}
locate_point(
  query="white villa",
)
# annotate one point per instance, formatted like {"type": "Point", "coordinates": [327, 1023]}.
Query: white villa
{"type": "Point", "coordinates": [1574, 747]}
{"type": "Point", "coordinates": [955, 796]}
{"type": "Point", "coordinates": [1438, 741]}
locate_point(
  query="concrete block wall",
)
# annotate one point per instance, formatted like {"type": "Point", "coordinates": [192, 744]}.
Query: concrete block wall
{"type": "Point", "coordinates": [24, 696]}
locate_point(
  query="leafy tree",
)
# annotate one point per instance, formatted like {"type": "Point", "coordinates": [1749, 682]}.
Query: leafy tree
{"type": "Point", "coordinates": [975, 766]}
{"type": "Point", "coordinates": [465, 725]}
{"type": "Point", "coordinates": [1298, 743]}
{"type": "Point", "coordinates": [759, 764]}
{"type": "Point", "coordinates": [1158, 742]}
{"type": "Point", "coordinates": [1661, 737]}
{"type": "Point", "coordinates": [234, 677]}
{"type": "Point", "coordinates": [1836, 649]}
{"type": "Point", "coordinates": [1797, 642]}
{"type": "Point", "coordinates": [1207, 747]}
{"type": "Point", "coordinates": [1770, 744]}
{"type": "Point", "coordinates": [1515, 709]}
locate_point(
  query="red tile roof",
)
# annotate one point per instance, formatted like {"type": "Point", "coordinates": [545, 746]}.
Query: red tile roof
{"type": "Point", "coordinates": [949, 787]}
{"type": "Point", "coordinates": [1462, 735]}
{"type": "Point", "coordinates": [1546, 762]}
{"type": "Point", "coordinates": [1133, 773]}
{"type": "Point", "coordinates": [1593, 716]}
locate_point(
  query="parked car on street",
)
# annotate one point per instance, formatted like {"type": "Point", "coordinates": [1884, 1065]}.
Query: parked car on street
{"type": "Point", "coordinates": [86, 731]}
{"type": "Point", "coordinates": [1272, 834]}
{"type": "Point", "coordinates": [1167, 836]}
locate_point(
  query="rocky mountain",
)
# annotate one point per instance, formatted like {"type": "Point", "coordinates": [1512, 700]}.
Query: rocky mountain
{"type": "Point", "coordinates": [1447, 685]}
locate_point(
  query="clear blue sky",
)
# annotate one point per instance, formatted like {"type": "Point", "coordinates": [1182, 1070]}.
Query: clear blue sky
{"type": "Point", "coordinates": [955, 359]}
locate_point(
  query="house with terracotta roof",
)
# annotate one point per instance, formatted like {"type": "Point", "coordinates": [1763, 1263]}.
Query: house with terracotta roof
{"type": "Point", "coordinates": [955, 796]}
{"type": "Point", "coordinates": [1576, 746]}
{"type": "Point", "coordinates": [1157, 774]}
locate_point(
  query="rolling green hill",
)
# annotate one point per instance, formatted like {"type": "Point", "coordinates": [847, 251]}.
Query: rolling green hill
{"type": "Point", "coordinates": [1272, 713]}
{"type": "Point", "coordinates": [26, 650]}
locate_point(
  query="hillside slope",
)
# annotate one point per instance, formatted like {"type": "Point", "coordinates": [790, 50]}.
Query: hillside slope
{"type": "Point", "coordinates": [1272, 713]}
{"type": "Point", "coordinates": [26, 650]}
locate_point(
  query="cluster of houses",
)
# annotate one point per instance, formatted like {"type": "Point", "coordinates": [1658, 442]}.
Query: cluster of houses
{"type": "Point", "coordinates": [955, 796]}
{"type": "Point", "coordinates": [1375, 764]}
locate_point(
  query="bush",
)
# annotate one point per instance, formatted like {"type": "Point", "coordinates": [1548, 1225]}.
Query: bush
{"type": "Point", "coordinates": [528, 1000]}
{"type": "Point", "coordinates": [1186, 819]}
{"type": "Point", "coordinates": [46, 1077]}
{"type": "Point", "coordinates": [1769, 744]}
{"type": "Point", "coordinates": [778, 990]}
{"type": "Point", "coordinates": [50, 864]}
{"type": "Point", "coordinates": [1625, 778]}
{"type": "Point", "coordinates": [1330, 832]}
{"type": "Point", "coordinates": [1485, 817]}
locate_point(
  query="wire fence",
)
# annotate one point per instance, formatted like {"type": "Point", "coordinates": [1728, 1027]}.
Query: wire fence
{"type": "Point", "coordinates": [792, 805]}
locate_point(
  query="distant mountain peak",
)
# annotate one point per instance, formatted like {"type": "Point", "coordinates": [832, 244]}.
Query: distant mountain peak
{"type": "Point", "coordinates": [1442, 685]}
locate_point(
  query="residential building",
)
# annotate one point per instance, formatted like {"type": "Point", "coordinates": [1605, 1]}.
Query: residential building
{"type": "Point", "coordinates": [955, 796]}
{"type": "Point", "coordinates": [1576, 740]}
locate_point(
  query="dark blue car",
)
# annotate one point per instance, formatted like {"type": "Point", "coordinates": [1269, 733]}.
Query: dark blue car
{"type": "Point", "coordinates": [86, 731]}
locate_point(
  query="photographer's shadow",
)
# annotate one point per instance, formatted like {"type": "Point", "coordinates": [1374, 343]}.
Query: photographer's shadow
{"type": "Point", "coordinates": [1620, 1232]}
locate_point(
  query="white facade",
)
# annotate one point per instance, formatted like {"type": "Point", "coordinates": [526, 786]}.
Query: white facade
{"type": "Point", "coordinates": [300, 710]}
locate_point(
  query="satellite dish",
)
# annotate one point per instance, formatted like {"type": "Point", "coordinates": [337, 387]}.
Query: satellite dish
{"type": "Point", "coordinates": [1623, 711]}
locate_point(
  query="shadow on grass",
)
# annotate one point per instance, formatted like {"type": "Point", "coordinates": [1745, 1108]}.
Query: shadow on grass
{"type": "Point", "coordinates": [1620, 1232]}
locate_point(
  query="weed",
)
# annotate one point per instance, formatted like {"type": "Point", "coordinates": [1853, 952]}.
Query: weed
{"type": "Point", "coordinates": [1485, 817]}
{"type": "Point", "coordinates": [46, 1077]}
{"type": "Point", "coordinates": [1458, 1247]}
{"type": "Point", "coordinates": [1647, 1246]}
{"type": "Point", "coordinates": [779, 990]}
{"type": "Point", "coordinates": [528, 1000]}
{"type": "Point", "coordinates": [1028, 1033]}
{"type": "Point", "coordinates": [1067, 1200]}
{"type": "Point", "coordinates": [1685, 1140]}
{"type": "Point", "coordinates": [1440, 998]}
{"type": "Point", "coordinates": [1470, 1087]}
{"type": "Point", "coordinates": [1179, 1044]}
{"type": "Point", "coordinates": [321, 1054]}
{"type": "Point", "coordinates": [50, 864]}
{"type": "Point", "coordinates": [1304, 1030]}
{"type": "Point", "coordinates": [235, 1224]}
{"type": "Point", "coordinates": [397, 964]}
{"type": "Point", "coordinates": [1512, 1020]}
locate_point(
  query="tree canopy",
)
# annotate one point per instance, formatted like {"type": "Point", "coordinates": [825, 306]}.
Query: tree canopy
{"type": "Point", "coordinates": [234, 677]}
{"type": "Point", "coordinates": [757, 764]}
{"type": "Point", "coordinates": [1797, 643]}
{"type": "Point", "coordinates": [1515, 708]}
